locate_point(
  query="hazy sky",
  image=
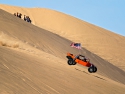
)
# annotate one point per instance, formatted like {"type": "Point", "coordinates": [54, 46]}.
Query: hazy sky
{"type": "Point", "coordinates": [108, 14]}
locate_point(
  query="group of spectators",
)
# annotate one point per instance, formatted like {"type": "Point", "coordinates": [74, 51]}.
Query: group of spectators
{"type": "Point", "coordinates": [25, 18]}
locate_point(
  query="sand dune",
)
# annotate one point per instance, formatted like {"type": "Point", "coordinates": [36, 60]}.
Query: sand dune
{"type": "Point", "coordinates": [27, 74]}
{"type": "Point", "coordinates": [37, 64]}
{"type": "Point", "coordinates": [104, 43]}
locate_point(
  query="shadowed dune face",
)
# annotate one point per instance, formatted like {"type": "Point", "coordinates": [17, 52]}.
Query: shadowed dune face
{"type": "Point", "coordinates": [38, 64]}
{"type": "Point", "coordinates": [106, 44]}
{"type": "Point", "coordinates": [24, 73]}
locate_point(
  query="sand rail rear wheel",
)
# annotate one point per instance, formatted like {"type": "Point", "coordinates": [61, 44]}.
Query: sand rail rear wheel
{"type": "Point", "coordinates": [71, 62]}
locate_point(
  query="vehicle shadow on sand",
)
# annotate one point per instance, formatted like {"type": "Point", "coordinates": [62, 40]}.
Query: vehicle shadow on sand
{"type": "Point", "coordinates": [99, 77]}
{"type": "Point", "coordinates": [82, 71]}
{"type": "Point", "coordinates": [90, 74]}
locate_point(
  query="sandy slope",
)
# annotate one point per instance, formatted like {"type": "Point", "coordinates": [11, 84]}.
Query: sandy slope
{"type": "Point", "coordinates": [96, 39]}
{"type": "Point", "coordinates": [24, 73]}
{"type": "Point", "coordinates": [33, 62]}
{"type": "Point", "coordinates": [108, 45]}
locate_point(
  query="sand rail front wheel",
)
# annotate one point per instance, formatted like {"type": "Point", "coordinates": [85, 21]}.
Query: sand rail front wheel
{"type": "Point", "coordinates": [92, 69]}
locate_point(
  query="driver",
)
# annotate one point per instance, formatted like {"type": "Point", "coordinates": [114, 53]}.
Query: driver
{"type": "Point", "coordinates": [81, 57]}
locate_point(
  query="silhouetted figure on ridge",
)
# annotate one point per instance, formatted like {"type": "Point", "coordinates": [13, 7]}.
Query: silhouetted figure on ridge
{"type": "Point", "coordinates": [14, 14]}
{"type": "Point", "coordinates": [19, 15]}
{"type": "Point", "coordinates": [25, 19]}
{"type": "Point", "coordinates": [28, 19]}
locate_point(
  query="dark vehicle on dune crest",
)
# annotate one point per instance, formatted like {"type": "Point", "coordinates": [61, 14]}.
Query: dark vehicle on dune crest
{"type": "Point", "coordinates": [80, 59]}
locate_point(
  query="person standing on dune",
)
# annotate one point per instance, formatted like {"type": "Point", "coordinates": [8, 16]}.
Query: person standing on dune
{"type": "Point", "coordinates": [25, 18]}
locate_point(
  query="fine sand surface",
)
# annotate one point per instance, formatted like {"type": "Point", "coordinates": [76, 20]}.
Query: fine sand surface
{"type": "Point", "coordinates": [32, 59]}
{"type": "Point", "coordinates": [104, 43]}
